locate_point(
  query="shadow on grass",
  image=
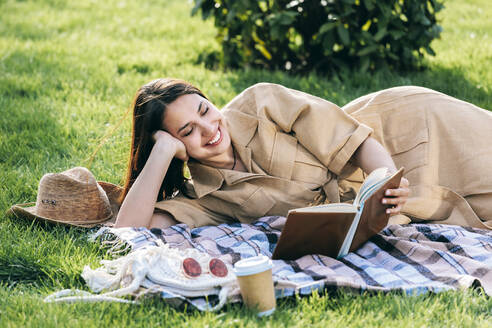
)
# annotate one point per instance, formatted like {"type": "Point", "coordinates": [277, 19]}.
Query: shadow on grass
{"type": "Point", "coordinates": [344, 88]}
{"type": "Point", "coordinates": [33, 139]}
{"type": "Point", "coordinates": [44, 255]}
{"type": "Point", "coordinates": [30, 123]}
{"type": "Point", "coordinates": [326, 304]}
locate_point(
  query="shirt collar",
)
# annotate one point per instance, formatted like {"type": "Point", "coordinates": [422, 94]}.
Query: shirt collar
{"type": "Point", "coordinates": [241, 126]}
{"type": "Point", "coordinates": [206, 179]}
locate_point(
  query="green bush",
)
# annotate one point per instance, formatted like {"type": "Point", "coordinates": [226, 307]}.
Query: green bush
{"type": "Point", "coordinates": [326, 35]}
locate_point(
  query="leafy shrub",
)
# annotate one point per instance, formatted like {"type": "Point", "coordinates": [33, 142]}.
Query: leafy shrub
{"type": "Point", "coordinates": [326, 35]}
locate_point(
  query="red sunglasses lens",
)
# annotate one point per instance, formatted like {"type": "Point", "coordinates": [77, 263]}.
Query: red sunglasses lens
{"type": "Point", "coordinates": [218, 268]}
{"type": "Point", "coordinates": [191, 268]}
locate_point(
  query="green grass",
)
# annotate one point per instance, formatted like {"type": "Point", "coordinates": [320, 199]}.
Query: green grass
{"type": "Point", "coordinates": [68, 72]}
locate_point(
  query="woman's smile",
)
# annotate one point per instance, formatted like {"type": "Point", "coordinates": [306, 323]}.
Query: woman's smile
{"type": "Point", "coordinates": [216, 139]}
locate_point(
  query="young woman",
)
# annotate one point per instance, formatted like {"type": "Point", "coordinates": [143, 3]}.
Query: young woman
{"type": "Point", "coordinates": [273, 148]}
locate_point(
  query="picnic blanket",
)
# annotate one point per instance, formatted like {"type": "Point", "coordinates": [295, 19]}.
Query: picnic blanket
{"type": "Point", "coordinates": [412, 259]}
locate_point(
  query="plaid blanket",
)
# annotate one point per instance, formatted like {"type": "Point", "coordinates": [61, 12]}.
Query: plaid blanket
{"type": "Point", "coordinates": [412, 259]}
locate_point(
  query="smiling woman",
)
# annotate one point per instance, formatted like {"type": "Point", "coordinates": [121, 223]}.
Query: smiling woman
{"type": "Point", "coordinates": [272, 149]}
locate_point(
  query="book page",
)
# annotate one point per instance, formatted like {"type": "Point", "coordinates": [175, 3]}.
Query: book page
{"type": "Point", "coordinates": [350, 234]}
{"type": "Point", "coordinates": [334, 207]}
{"type": "Point", "coordinates": [369, 190]}
{"type": "Point", "coordinates": [373, 180]}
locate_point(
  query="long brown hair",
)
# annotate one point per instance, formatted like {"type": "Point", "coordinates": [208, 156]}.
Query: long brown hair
{"type": "Point", "coordinates": [149, 106]}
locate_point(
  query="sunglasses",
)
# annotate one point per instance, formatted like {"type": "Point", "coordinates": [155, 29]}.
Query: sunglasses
{"type": "Point", "coordinates": [193, 269]}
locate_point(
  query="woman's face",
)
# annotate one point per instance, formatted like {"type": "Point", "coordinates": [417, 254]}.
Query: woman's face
{"type": "Point", "coordinates": [200, 126]}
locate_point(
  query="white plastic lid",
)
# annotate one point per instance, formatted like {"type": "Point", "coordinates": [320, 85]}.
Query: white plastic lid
{"type": "Point", "coordinates": [252, 265]}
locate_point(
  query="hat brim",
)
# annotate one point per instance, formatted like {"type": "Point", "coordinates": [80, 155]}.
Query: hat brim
{"type": "Point", "coordinates": [28, 210]}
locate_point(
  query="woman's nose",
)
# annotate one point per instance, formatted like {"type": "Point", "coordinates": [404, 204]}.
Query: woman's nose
{"type": "Point", "coordinates": [208, 129]}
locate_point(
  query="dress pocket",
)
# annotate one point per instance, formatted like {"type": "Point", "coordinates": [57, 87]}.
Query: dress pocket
{"type": "Point", "coordinates": [256, 205]}
{"type": "Point", "coordinates": [283, 155]}
{"type": "Point", "coordinates": [307, 168]}
{"type": "Point", "coordinates": [403, 132]}
{"type": "Point", "coordinates": [406, 137]}
{"type": "Point", "coordinates": [404, 129]}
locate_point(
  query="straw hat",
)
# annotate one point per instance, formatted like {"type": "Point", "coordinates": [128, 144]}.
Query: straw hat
{"type": "Point", "coordinates": [73, 197]}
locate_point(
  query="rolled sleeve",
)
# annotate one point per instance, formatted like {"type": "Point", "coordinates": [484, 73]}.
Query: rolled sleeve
{"type": "Point", "coordinates": [320, 126]}
{"type": "Point", "coordinates": [347, 151]}
{"type": "Point", "coordinates": [190, 212]}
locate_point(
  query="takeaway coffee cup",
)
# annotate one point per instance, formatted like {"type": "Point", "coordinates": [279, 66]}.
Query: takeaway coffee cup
{"type": "Point", "coordinates": [254, 275]}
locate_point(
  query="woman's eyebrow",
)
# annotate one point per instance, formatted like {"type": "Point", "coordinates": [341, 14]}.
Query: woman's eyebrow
{"type": "Point", "coordinates": [198, 111]}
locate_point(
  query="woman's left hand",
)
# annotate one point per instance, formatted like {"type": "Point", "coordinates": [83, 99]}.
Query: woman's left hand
{"type": "Point", "coordinates": [397, 197]}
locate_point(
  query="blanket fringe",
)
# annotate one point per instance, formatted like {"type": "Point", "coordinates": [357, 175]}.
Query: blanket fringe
{"type": "Point", "coordinates": [114, 245]}
{"type": "Point", "coordinates": [77, 295]}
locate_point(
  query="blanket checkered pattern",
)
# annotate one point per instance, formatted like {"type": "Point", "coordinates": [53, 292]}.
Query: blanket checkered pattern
{"type": "Point", "coordinates": [412, 259]}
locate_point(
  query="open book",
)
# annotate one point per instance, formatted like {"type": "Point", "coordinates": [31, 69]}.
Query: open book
{"type": "Point", "coordinates": [336, 229]}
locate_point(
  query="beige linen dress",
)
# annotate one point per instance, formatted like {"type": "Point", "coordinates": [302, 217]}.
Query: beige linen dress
{"type": "Point", "coordinates": [445, 145]}
{"type": "Point", "coordinates": [296, 148]}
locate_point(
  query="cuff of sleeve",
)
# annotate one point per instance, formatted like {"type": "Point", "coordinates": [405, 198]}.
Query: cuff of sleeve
{"type": "Point", "coordinates": [344, 155]}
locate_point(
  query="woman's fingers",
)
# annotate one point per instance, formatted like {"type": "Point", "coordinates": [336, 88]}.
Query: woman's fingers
{"type": "Point", "coordinates": [397, 197]}
{"type": "Point", "coordinates": [163, 136]}
{"type": "Point", "coordinates": [394, 210]}
{"type": "Point", "coordinates": [182, 154]}
{"type": "Point", "coordinates": [158, 134]}
{"type": "Point", "coordinates": [395, 200]}
{"type": "Point", "coordinates": [399, 192]}
{"type": "Point", "coordinates": [404, 182]}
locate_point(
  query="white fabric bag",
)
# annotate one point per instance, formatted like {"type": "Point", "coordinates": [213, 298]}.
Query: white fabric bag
{"type": "Point", "coordinates": [155, 268]}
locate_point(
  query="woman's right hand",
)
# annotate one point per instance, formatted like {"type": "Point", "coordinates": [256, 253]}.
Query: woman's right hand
{"type": "Point", "coordinates": [138, 206]}
{"type": "Point", "coordinates": [166, 138]}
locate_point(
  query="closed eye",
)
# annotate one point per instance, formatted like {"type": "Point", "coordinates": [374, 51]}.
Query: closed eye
{"type": "Point", "coordinates": [191, 130]}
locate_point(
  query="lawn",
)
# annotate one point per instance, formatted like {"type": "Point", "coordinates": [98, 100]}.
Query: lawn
{"type": "Point", "coordinates": [68, 72]}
